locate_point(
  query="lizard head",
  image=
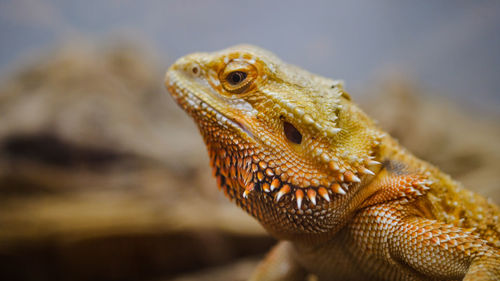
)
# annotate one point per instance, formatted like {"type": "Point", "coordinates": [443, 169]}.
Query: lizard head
{"type": "Point", "coordinates": [280, 139]}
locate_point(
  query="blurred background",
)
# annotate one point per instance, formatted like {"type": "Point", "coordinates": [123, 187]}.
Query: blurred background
{"type": "Point", "coordinates": [102, 177]}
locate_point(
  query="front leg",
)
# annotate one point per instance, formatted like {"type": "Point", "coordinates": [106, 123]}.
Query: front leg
{"type": "Point", "coordinates": [279, 265]}
{"type": "Point", "coordinates": [416, 248]}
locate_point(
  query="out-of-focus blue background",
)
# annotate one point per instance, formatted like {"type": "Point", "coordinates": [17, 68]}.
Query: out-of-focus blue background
{"type": "Point", "coordinates": [449, 46]}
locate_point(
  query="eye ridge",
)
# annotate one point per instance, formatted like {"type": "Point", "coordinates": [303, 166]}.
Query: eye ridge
{"type": "Point", "coordinates": [236, 77]}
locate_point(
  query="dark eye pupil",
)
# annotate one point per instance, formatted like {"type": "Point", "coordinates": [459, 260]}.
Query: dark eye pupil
{"type": "Point", "coordinates": [291, 133]}
{"type": "Point", "coordinates": [236, 77]}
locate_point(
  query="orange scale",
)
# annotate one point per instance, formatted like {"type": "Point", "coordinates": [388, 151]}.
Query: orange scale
{"type": "Point", "coordinates": [434, 240]}
{"type": "Point", "coordinates": [277, 171]}
{"type": "Point", "coordinates": [269, 172]}
{"type": "Point", "coordinates": [275, 183]}
{"type": "Point", "coordinates": [254, 168]}
{"type": "Point", "coordinates": [436, 232]}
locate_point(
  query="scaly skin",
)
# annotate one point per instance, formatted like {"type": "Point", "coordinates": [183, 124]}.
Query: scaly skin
{"type": "Point", "coordinates": [347, 201]}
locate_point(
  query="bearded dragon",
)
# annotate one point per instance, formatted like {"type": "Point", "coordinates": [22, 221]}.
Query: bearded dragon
{"type": "Point", "coordinates": [346, 200]}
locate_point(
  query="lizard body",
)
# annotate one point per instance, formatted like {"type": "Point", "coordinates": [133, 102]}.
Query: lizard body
{"type": "Point", "coordinates": [347, 201]}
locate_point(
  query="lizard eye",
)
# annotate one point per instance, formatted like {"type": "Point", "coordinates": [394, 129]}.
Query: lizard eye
{"type": "Point", "coordinates": [237, 76]}
{"type": "Point", "coordinates": [291, 133]}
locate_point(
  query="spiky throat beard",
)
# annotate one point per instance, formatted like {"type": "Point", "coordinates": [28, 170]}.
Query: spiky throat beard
{"type": "Point", "coordinates": [251, 180]}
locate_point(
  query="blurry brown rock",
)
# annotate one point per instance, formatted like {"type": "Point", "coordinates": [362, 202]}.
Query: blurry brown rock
{"type": "Point", "coordinates": [103, 177]}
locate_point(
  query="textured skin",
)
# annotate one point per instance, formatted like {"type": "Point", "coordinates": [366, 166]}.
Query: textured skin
{"type": "Point", "coordinates": [348, 201]}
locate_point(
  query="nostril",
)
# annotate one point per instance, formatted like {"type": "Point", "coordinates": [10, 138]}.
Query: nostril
{"type": "Point", "coordinates": [195, 70]}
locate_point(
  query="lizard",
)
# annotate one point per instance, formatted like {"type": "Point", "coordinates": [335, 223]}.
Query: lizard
{"type": "Point", "coordinates": [345, 200]}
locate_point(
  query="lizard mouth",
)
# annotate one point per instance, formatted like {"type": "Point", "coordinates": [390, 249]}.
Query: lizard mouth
{"type": "Point", "coordinates": [198, 107]}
